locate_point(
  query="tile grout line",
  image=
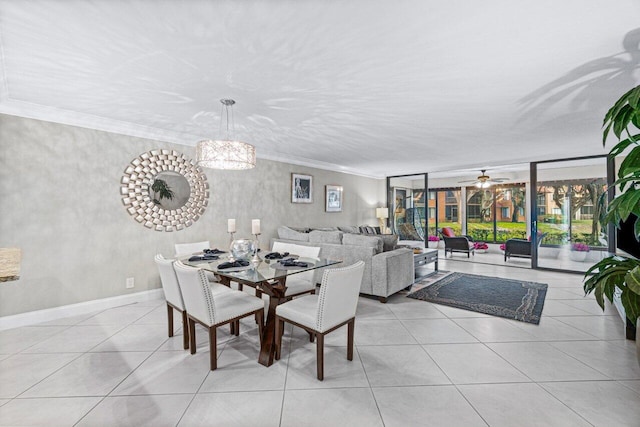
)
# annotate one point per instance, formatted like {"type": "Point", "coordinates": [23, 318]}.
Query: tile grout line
{"type": "Point", "coordinates": [456, 386]}
{"type": "Point", "coordinates": [286, 374]}
{"type": "Point", "coordinates": [364, 368]}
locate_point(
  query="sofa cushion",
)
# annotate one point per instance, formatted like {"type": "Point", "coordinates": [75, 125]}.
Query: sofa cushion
{"type": "Point", "coordinates": [290, 234]}
{"type": "Point", "coordinates": [349, 229]}
{"type": "Point", "coordinates": [360, 240]}
{"type": "Point", "coordinates": [301, 229]}
{"type": "Point", "coordinates": [389, 242]}
{"type": "Point", "coordinates": [317, 236]}
{"type": "Point", "coordinates": [323, 229]}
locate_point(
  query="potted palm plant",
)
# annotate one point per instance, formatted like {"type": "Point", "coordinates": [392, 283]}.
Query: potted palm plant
{"type": "Point", "coordinates": [618, 271]}
{"type": "Point", "coordinates": [162, 190]}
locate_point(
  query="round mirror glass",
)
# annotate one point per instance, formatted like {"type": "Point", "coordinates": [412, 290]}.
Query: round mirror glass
{"type": "Point", "coordinates": [169, 190]}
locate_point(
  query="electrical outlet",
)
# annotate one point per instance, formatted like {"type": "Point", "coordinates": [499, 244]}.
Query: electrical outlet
{"type": "Point", "coordinates": [129, 283]}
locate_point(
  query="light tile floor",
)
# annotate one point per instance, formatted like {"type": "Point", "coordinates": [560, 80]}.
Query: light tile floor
{"type": "Point", "coordinates": [415, 364]}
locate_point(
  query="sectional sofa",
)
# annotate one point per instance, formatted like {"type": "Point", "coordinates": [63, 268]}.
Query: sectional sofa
{"type": "Point", "coordinates": [387, 269]}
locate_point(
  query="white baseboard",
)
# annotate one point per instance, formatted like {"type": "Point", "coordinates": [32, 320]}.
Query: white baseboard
{"type": "Point", "coordinates": [49, 314]}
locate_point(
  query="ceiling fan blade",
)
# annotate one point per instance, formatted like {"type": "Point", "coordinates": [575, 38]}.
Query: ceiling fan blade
{"type": "Point", "coordinates": [468, 180]}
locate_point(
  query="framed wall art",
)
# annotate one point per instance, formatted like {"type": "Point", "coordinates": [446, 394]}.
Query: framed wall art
{"type": "Point", "coordinates": [334, 198]}
{"type": "Point", "coordinates": [301, 188]}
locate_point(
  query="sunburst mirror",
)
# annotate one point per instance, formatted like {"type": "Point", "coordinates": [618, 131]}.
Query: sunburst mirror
{"type": "Point", "coordinates": [164, 190]}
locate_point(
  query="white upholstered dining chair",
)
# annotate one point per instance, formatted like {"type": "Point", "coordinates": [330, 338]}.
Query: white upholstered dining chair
{"type": "Point", "coordinates": [299, 283]}
{"type": "Point", "coordinates": [213, 309]}
{"type": "Point", "coordinates": [172, 295]}
{"type": "Point", "coordinates": [333, 307]}
{"type": "Point", "coordinates": [183, 249]}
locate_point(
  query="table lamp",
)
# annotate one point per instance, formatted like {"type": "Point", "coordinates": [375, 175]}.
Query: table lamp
{"type": "Point", "coordinates": [382, 214]}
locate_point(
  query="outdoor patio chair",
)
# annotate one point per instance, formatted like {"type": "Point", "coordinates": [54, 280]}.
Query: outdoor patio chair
{"type": "Point", "coordinates": [520, 248]}
{"type": "Point", "coordinates": [453, 243]}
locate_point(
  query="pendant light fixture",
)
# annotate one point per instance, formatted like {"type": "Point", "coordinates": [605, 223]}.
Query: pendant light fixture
{"type": "Point", "coordinates": [226, 153]}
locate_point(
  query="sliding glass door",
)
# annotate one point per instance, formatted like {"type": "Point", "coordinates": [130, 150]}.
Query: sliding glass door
{"type": "Point", "coordinates": [570, 204]}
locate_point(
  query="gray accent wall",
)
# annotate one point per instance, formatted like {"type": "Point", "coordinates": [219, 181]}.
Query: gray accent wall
{"type": "Point", "coordinates": [60, 203]}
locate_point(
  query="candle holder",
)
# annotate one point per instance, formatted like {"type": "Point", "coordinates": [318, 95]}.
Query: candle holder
{"type": "Point", "coordinates": [257, 247]}
{"type": "Point", "coordinates": [231, 233]}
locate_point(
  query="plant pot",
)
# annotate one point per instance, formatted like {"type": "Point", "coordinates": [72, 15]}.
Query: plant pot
{"type": "Point", "coordinates": [433, 245]}
{"type": "Point", "coordinates": [578, 256]}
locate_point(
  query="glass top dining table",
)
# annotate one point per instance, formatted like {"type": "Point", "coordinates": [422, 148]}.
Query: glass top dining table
{"type": "Point", "coordinates": [259, 271]}
{"type": "Point", "coordinates": [267, 276]}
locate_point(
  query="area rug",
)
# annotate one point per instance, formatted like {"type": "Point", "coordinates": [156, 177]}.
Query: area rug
{"type": "Point", "coordinates": [513, 299]}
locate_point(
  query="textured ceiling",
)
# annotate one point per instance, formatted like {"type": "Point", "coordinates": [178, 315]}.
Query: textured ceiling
{"type": "Point", "coordinates": [364, 86]}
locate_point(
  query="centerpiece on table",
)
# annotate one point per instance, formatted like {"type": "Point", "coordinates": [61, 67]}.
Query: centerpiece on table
{"type": "Point", "coordinates": [433, 242]}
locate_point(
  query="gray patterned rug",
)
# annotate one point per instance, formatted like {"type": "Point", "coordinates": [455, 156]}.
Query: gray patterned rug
{"type": "Point", "coordinates": [513, 299]}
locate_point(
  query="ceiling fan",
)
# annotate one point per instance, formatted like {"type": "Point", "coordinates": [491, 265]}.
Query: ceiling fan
{"type": "Point", "coordinates": [484, 180]}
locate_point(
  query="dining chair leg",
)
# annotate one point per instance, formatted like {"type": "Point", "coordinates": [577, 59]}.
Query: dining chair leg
{"type": "Point", "coordinates": [350, 328]}
{"type": "Point", "coordinates": [279, 326]}
{"type": "Point", "coordinates": [232, 328]}
{"type": "Point", "coordinates": [192, 336]}
{"type": "Point", "coordinates": [320, 356]}
{"type": "Point", "coordinates": [170, 319]}
{"type": "Point", "coordinates": [185, 330]}
{"type": "Point", "coordinates": [237, 322]}
{"type": "Point", "coordinates": [311, 336]}
{"type": "Point", "coordinates": [213, 348]}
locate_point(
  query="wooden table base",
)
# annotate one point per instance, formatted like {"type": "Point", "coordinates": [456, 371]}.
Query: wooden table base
{"type": "Point", "coordinates": [276, 291]}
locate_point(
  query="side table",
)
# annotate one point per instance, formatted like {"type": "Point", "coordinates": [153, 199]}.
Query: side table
{"type": "Point", "coordinates": [420, 262]}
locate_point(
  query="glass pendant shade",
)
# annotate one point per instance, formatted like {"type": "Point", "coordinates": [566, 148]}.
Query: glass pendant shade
{"type": "Point", "coordinates": [226, 153]}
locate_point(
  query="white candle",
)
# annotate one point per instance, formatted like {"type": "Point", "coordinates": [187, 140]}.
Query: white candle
{"type": "Point", "coordinates": [231, 226]}
{"type": "Point", "coordinates": [255, 226]}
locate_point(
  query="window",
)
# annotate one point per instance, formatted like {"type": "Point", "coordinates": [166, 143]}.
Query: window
{"type": "Point", "coordinates": [473, 211]}
{"type": "Point", "coordinates": [432, 212]}
{"type": "Point", "coordinates": [505, 212]}
{"type": "Point", "coordinates": [451, 197]}
{"type": "Point", "coordinates": [451, 213]}
{"type": "Point", "coordinates": [542, 210]}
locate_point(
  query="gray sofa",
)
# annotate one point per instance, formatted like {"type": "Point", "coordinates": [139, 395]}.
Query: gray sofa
{"type": "Point", "coordinates": [386, 271]}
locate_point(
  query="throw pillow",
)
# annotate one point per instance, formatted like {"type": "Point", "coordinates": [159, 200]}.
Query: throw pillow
{"type": "Point", "coordinates": [408, 232]}
{"type": "Point", "coordinates": [360, 240]}
{"type": "Point", "coordinates": [334, 237]}
{"type": "Point", "coordinates": [367, 229]}
{"type": "Point", "coordinates": [389, 242]}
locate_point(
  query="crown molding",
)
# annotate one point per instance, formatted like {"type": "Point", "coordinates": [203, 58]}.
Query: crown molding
{"type": "Point", "coordinates": [72, 118]}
